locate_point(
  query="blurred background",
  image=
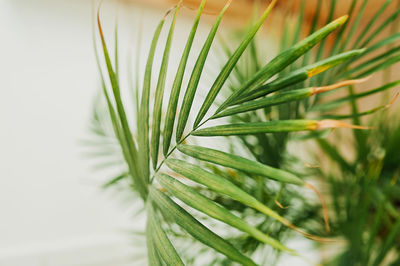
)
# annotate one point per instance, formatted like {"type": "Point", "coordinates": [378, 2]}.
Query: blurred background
{"type": "Point", "coordinates": [52, 208]}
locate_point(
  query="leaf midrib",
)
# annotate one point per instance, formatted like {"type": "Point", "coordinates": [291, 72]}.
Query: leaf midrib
{"type": "Point", "coordinates": [175, 147]}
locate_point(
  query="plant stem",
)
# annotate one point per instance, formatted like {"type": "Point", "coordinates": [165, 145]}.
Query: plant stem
{"type": "Point", "coordinates": [174, 148]}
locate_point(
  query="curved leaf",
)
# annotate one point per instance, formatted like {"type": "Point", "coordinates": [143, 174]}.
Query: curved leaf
{"type": "Point", "coordinates": [120, 122]}
{"type": "Point", "coordinates": [143, 130]}
{"type": "Point", "coordinates": [239, 163]}
{"type": "Point", "coordinates": [155, 137]}
{"type": "Point", "coordinates": [257, 127]}
{"type": "Point", "coordinates": [299, 75]}
{"type": "Point", "coordinates": [176, 86]}
{"type": "Point", "coordinates": [160, 239]}
{"type": "Point", "coordinates": [152, 254]}
{"type": "Point", "coordinates": [272, 127]}
{"type": "Point", "coordinates": [283, 60]}
{"type": "Point", "coordinates": [199, 202]}
{"type": "Point", "coordinates": [223, 186]}
{"type": "Point", "coordinates": [195, 78]}
{"type": "Point", "coordinates": [201, 233]}
{"type": "Point", "coordinates": [227, 69]}
{"type": "Point", "coordinates": [284, 97]}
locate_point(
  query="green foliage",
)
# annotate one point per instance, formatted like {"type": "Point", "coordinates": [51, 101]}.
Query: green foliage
{"type": "Point", "coordinates": [244, 181]}
{"type": "Point", "coordinates": [370, 224]}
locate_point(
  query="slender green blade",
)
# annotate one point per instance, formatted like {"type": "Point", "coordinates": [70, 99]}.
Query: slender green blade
{"type": "Point", "coordinates": [199, 202]}
{"type": "Point", "coordinates": [155, 137]}
{"type": "Point", "coordinates": [201, 233]}
{"type": "Point", "coordinates": [227, 54]}
{"type": "Point", "coordinates": [223, 186]}
{"type": "Point", "coordinates": [152, 254]}
{"type": "Point", "coordinates": [163, 245]}
{"type": "Point", "coordinates": [133, 77]}
{"type": "Point", "coordinates": [283, 60]}
{"type": "Point", "coordinates": [131, 162]}
{"type": "Point", "coordinates": [121, 127]}
{"type": "Point", "coordinates": [257, 127]}
{"type": "Point", "coordinates": [239, 163]}
{"type": "Point", "coordinates": [116, 56]}
{"type": "Point", "coordinates": [176, 86]}
{"type": "Point", "coordinates": [278, 84]}
{"type": "Point", "coordinates": [254, 57]}
{"type": "Point", "coordinates": [299, 75]}
{"type": "Point", "coordinates": [195, 78]}
{"type": "Point", "coordinates": [143, 130]}
{"type": "Point", "coordinates": [277, 99]}
{"type": "Point", "coordinates": [227, 69]}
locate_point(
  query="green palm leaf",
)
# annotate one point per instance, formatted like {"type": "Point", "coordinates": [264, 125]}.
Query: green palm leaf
{"type": "Point", "coordinates": [155, 137]}
{"type": "Point", "coordinates": [283, 60]}
{"type": "Point", "coordinates": [195, 78]}
{"type": "Point", "coordinates": [227, 69]}
{"type": "Point", "coordinates": [239, 163]}
{"type": "Point", "coordinates": [203, 204]}
{"type": "Point", "coordinates": [174, 212]}
{"type": "Point", "coordinates": [176, 87]}
{"type": "Point", "coordinates": [143, 130]}
{"type": "Point", "coordinates": [160, 239]}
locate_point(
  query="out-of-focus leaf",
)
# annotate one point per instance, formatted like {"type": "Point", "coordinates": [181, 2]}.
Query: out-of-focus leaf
{"type": "Point", "coordinates": [194, 199]}
{"type": "Point", "coordinates": [163, 245]}
{"type": "Point", "coordinates": [225, 187]}
{"type": "Point", "coordinates": [176, 213]}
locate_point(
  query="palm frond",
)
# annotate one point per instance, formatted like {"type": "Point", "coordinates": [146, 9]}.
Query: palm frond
{"type": "Point", "coordinates": [223, 186]}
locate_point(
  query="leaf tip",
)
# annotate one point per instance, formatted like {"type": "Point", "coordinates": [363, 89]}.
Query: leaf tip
{"type": "Point", "coordinates": [328, 123]}
{"type": "Point", "coordinates": [392, 101]}
{"type": "Point", "coordinates": [317, 90]}
{"type": "Point", "coordinates": [342, 19]}
{"type": "Point", "coordinates": [280, 205]}
{"type": "Point", "coordinates": [324, 207]}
